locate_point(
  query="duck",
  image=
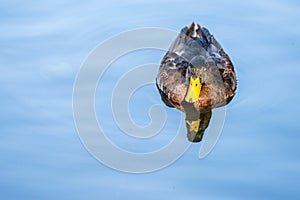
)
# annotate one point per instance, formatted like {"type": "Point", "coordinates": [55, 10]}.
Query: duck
{"type": "Point", "coordinates": [196, 76]}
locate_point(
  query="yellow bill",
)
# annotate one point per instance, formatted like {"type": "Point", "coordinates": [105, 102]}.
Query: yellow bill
{"type": "Point", "coordinates": [194, 89]}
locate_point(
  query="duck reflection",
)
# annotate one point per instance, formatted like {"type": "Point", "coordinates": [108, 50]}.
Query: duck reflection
{"type": "Point", "coordinates": [196, 126]}
{"type": "Point", "coordinates": [195, 76]}
{"type": "Point", "coordinates": [196, 123]}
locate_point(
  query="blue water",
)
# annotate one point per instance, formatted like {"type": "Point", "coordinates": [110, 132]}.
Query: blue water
{"type": "Point", "coordinates": [43, 46]}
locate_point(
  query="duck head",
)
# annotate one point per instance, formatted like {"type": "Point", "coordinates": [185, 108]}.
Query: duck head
{"type": "Point", "coordinates": [196, 71]}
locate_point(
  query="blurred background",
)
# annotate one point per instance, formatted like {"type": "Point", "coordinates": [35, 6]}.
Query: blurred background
{"type": "Point", "coordinates": [43, 45]}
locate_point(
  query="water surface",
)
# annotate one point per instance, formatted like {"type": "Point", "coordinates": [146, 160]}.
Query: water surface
{"type": "Point", "coordinates": [43, 46]}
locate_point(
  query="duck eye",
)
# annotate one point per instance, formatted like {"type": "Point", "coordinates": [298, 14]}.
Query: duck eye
{"type": "Point", "coordinates": [196, 84]}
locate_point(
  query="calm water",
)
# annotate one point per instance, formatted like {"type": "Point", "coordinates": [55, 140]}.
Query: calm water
{"type": "Point", "coordinates": [43, 46]}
